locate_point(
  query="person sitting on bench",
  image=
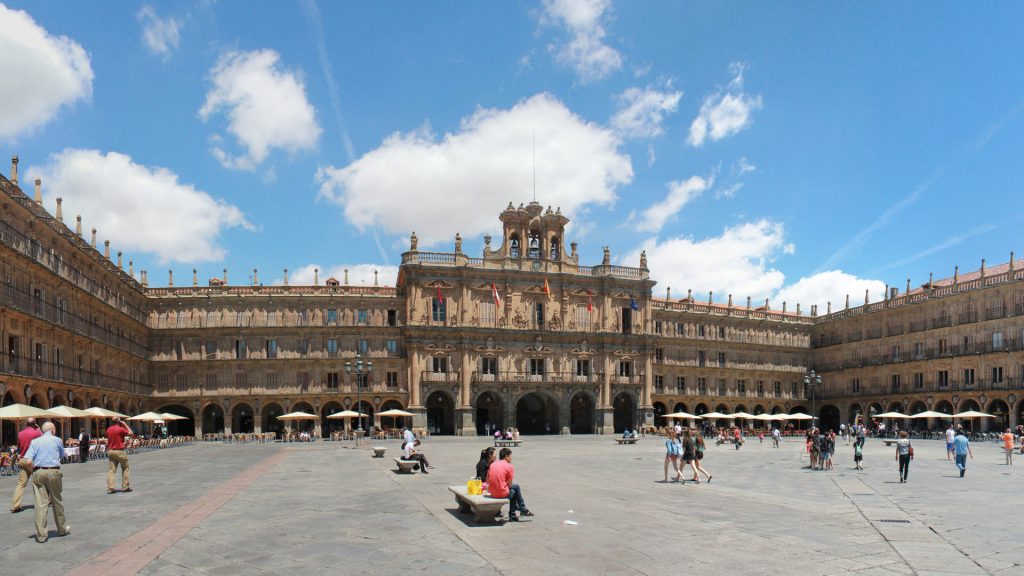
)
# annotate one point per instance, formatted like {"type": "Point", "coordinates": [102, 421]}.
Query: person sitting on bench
{"type": "Point", "coordinates": [499, 482]}
{"type": "Point", "coordinates": [411, 453]}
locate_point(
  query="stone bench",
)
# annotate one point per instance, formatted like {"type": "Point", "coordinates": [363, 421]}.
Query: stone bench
{"type": "Point", "coordinates": [406, 466]}
{"type": "Point", "coordinates": [378, 451]}
{"type": "Point", "coordinates": [626, 440]}
{"type": "Point", "coordinates": [484, 508]}
{"type": "Point", "coordinates": [508, 443]}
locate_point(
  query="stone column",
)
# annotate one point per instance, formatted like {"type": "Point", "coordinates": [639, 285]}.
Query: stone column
{"type": "Point", "coordinates": [605, 417]}
{"type": "Point", "coordinates": [466, 404]}
{"type": "Point", "coordinates": [414, 379]}
{"type": "Point", "coordinates": [648, 384]}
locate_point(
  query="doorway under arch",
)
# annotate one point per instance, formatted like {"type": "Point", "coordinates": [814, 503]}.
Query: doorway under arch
{"type": "Point", "coordinates": [659, 411]}
{"type": "Point", "coordinates": [330, 425]}
{"type": "Point", "coordinates": [440, 414]}
{"type": "Point", "coordinates": [581, 414]}
{"type": "Point", "coordinates": [700, 409]}
{"type": "Point", "coordinates": [185, 427]}
{"type": "Point", "coordinates": [270, 422]}
{"type": "Point", "coordinates": [679, 407]}
{"type": "Point", "coordinates": [1001, 411]}
{"type": "Point", "coordinates": [624, 415]}
{"type": "Point", "coordinates": [213, 419]}
{"type": "Point", "coordinates": [537, 414]}
{"type": "Point", "coordinates": [829, 418]}
{"type": "Point", "coordinates": [364, 422]}
{"type": "Point", "coordinates": [489, 410]}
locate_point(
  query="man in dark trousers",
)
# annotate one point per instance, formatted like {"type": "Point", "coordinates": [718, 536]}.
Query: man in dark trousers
{"type": "Point", "coordinates": [83, 445]}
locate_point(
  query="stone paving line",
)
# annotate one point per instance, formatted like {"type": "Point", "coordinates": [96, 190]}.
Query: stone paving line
{"type": "Point", "coordinates": [330, 507]}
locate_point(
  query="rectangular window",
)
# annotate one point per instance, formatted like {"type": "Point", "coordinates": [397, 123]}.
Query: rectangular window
{"type": "Point", "coordinates": [211, 350]}
{"type": "Point", "coordinates": [391, 379]}
{"type": "Point", "coordinates": [332, 316]}
{"type": "Point", "coordinates": [721, 359]}
{"type": "Point", "coordinates": [657, 326]}
{"type": "Point", "coordinates": [272, 318]}
{"type": "Point", "coordinates": [303, 317]}
{"type": "Point", "coordinates": [659, 381]}
{"type": "Point", "coordinates": [271, 348]}
{"type": "Point", "coordinates": [625, 368]}
{"type": "Point", "coordinates": [62, 308]}
{"type": "Point", "coordinates": [304, 347]}
{"type": "Point", "coordinates": [997, 340]}
{"type": "Point", "coordinates": [741, 387]}
{"type": "Point", "coordinates": [538, 314]}
{"type": "Point", "coordinates": [362, 316]}
{"type": "Point", "coordinates": [918, 380]}
{"type": "Point", "coordinates": [943, 345]}
{"type": "Point", "coordinates": [440, 364]}
{"type": "Point", "coordinates": [895, 353]}
{"type": "Point", "coordinates": [392, 346]}
{"type": "Point", "coordinates": [778, 388]}
{"type": "Point", "coordinates": [332, 348]}
{"type": "Point", "coordinates": [271, 380]}
{"type": "Point", "coordinates": [438, 310]}
{"type": "Point", "coordinates": [536, 366]}
{"type": "Point", "coordinates": [659, 354]}
{"type": "Point", "coordinates": [364, 346]}
{"type": "Point", "coordinates": [895, 381]}
{"type": "Point", "coordinates": [392, 317]}
{"type": "Point", "coordinates": [489, 366]}
{"type": "Point", "coordinates": [997, 375]}
{"type": "Point", "coordinates": [680, 383]}
{"type": "Point", "coordinates": [179, 350]}
{"type": "Point", "coordinates": [720, 387]}
{"type": "Point", "coordinates": [211, 381]}
{"type": "Point", "coordinates": [721, 332]}
{"type": "Point", "coordinates": [627, 320]}
{"type": "Point", "coordinates": [582, 317]}
{"type": "Point", "coordinates": [701, 358]}
{"type": "Point", "coordinates": [488, 313]}
{"type": "Point", "coordinates": [855, 385]}
{"type": "Point", "coordinates": [582, 367]}
{"type": "Point", "coordinates": [240, 380]}
{"type": "Point", "coordinates": [943, 378]}
{"type": "Point", "coordinates": [332, 380]}
{"type": "Point", "coordinates": [702, 385]}
{"type": "Point", "coordinates": [968, 376]}
{"type": "Point", "coordinates": [240, 349]}
{"type": "Point", "coordinates": [701, 331]}
{"type": "Point", "coordinates": [918, 350]}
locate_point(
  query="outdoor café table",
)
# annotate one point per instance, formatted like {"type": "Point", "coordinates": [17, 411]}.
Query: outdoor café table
{"type": "Point", "coordinates": [71, 454]}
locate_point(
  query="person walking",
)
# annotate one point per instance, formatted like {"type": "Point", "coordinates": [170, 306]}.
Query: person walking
{"type": "Point", "coordinates": [25, 438]}
{"type": "Point", "coordinates": [950, 436]}
{"type": "Point", "coordinates": [672, 453]}
{"type": "Point", "coordinates": [961, 450]}
{"type": "Point", "coordinates": [776, 434]}
{"type": "Point", "coordinates": [500, 483]}
{"type": "Point", "coordinates": [689, 453]}
{"type": "Point", "coordinates": [862, 435]}
{"type": "Point", "coordinates": [698, 452]}
{"type": "Point", "coordinates": [1008, 445]}
{"type": "Point", "coordinates": [83, 445]}
{"type": "Point", "coordinates": [116, 455]}
{"type": "Point", "coordinates": [858, 455]}
{"type": "Point", "coordinates": [44, 456]}
{"type": "Point", "coordinates": [904, 454]}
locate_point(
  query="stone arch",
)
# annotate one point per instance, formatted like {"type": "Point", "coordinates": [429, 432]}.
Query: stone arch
{"type": "Point", "coordinates": [917, 407]}
{"type": "Point", "coordinates": [213, 418]}
{"type": "Point", "coordinates": [243, 418]}
{"type": "Point", "coordinates": [740, 408]}
{"type": "Point", "coordinates": [124, 409]}
{"type": "Point", "coordinates": [581, 413]}
{"type": "Point", "coordinates": [896, 406]}
{"type": "Point", "coordinates": [440, 413]}
{"type": "Point", "coordinates": [853, 412]}
{"type": "Point", "coordinates": [874, 408]}
{"type": "Point", "coordinates": [303, 425]}
{"type": "Point", "coordinates": [268, 418]}
{"type": "Point", "coordinates": [624, 412]}
{"type": "Point", "coordinates": [998, 408]}
{"type": "Point", "coordinates": [537, 413]}
{"type": "Point", "coordinates": [701, 408]}
{"type": "Point", "coordinates": [659, 411]}
{"type": "Point", "coordinates": [776, 410]}
{"type": "Point", "coordinates": [331, 425]}
{"type": "Point", "coordinates": [944, 406]}
{"type": "Point", "coordinates": [722, 409]}
{"type": "Point", "coordinates": [179, 427]}
{"type": "Point", "coordinates": [679, 407]}
{"type": "Point", "coordinates": [364, 422]}
{"type": "Point", "coordinates": [8, 428]}
{"type": "Point", "coordinates": [37, 401]}
{"type": "Point", "coordinates": [829, 417]}
{"type": "Point", "coordinates": [758, 410]}
{"type": "Point", "coordinates": [488, 409]}
{"type": "Point", "coordinates": [971, 424]}
{"type": "Point", "coordinates": [801, 424]}
{"type": "Point", "coordinates": [397, 421]}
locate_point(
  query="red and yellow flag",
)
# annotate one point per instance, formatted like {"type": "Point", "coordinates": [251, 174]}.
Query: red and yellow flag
{"type": "Point", "coordinates": [547, 289]}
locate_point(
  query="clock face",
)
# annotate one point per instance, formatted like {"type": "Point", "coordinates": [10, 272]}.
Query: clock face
{"type": "Point", "coordinates": [536, 265]}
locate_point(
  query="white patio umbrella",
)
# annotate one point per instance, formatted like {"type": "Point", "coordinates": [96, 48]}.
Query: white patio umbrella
{"type": "Point", "coordinates": [394, 413]}
{"type": "Point", "coordinates": [742, 415]}
{"type": "Point", "coordinates": [169, 416]}
{"type": "Point", "coordinates": [147, 417]}
{"type": "Point", "coordinates": [714, 416]}
{"type": "Point", "coordinates": [104, 413]}
{"type": "Point", "coordinates": [21, 412]}
{"type": "Point", "coordinates": [780, 416]}
{"type": "Point", "coordinates": [64, 413]}
{"type": "Point", "coordinates": [765, 417]}
{"type": "Point", "coordinates": [297, 416]}
{"type": "Point", "coordinates": [931, 414]}
{"type": "Point", "coordinates": [346, 415]}
{"type": "Point", "coordinates": [682, 415]}
{"type": "Point", "coordinates": [891, 415]}
{"type": "Point", "coordinates": [799, 416]}
{"type": "Point", "coordinates": [973, 414]}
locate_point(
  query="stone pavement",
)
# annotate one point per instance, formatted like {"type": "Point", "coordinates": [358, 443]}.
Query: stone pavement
{"type": "Point", "coordinates": [276, 509]}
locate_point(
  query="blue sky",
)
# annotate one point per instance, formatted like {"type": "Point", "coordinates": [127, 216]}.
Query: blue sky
{"type": "Point", "coordinates": [792, 151]}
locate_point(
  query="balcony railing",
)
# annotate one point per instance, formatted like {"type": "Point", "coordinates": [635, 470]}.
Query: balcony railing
{"type": "Point", "coordinates": [44, 370]}
{"type": "Point", "coordinates": [197, 388]}
{"type": "Point", "coordinates": [430, 376]}
{"type": "Point", "coordinates": [593, 377]}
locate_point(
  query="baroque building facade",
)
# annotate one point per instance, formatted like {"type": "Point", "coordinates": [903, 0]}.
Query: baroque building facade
{"type": "Point", "coordinates": [524, 335]}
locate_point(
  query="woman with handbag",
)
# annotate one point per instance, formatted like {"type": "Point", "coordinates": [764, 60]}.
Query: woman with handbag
{"type": "Point", "coordinates": [904, 454]}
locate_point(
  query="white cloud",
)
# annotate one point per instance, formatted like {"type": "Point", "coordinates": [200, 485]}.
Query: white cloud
{"type": "Point", "coordinates": [737, 262]}
{"type": "Point", "coordinates": [830, 286]}
{"type": "Point", "coordinates": [136, 207]}
{"type": "Point", "coordinates": [585, 51]}
{"type": "Point", "coordinates": [266, 107]}
{"type": "Point", "coordinates": [725, 112]}
{"type": "Point", "coordinates": [160, 35]}
{"type": "Point", "coordinates": [680, 193]}
{"type": "Point", "coordinates": [642, 110]}
{"type": "Point", "coordinates": [41, 73]}
{"type": "Point", "coordinates": [459, 183]}
{"type": "Point", "coordinates": [358, 274]}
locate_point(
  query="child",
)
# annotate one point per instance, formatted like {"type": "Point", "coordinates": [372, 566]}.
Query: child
{"type": "Point", "coordinates": [858, 455]}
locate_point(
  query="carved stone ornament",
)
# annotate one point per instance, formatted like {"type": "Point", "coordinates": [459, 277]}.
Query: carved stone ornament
{"type": "Point", "coordinates": [439, 348]}
{"type": "Point", "coordinates": [583, 349]}
{"type": "Point", "coordinates": [489, 349]}
{"type": "Point", "coordinates": [537, 348]}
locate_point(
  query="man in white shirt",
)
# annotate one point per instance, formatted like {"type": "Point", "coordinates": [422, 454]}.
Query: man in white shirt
{"type": "Point", "coordinates": [950, 435]}
{"type": "Point", "coordinates": [411, 453]}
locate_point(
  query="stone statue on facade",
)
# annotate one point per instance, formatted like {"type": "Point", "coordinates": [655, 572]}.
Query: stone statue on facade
{"type": "Point", "coordinates": [643, 259]}
{"type": "Point", "coordinates": [414, 242]}
{"type": "Point", "coordinates": [607, 260]}
{"type": "Point", "coordinates": [458, 243]}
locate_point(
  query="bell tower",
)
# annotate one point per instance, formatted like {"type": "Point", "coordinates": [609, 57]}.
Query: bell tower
{"type": "Point", "coordinates": [533, 233]}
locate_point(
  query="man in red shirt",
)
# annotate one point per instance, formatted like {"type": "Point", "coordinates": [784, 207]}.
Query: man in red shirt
{"type": "Point", "coordinates": [25, 438]}
{"type": "Point", "coordinates": [499, 483]}
{"type": "Point", "coordinates": [116, 434]}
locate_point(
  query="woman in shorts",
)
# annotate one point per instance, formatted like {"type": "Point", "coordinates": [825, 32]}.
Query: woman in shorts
{"type": "Point", "coordinates": [698, 451]}
{"type": "Point", "coordinates": [689, 452]}
{"type": "Point", "coordinates": [672, 452]}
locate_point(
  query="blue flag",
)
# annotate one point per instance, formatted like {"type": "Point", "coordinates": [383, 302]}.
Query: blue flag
{"type": "Point", "coordinates": [632, 303]}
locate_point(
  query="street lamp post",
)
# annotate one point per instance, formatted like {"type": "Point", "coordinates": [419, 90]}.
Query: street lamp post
{"type": "Point", "coordinates": [811, 380]}
{"type": "Point", "coordinates": [360, 370]}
